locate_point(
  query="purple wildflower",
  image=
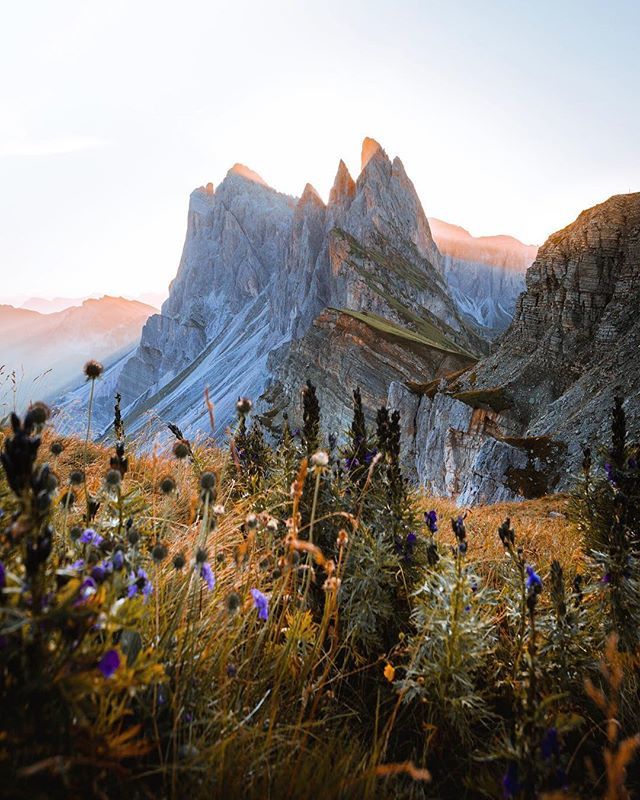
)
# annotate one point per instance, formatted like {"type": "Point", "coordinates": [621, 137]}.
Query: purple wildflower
{"type": "Point", "coordinates": [550, 746]}
{"type": "Point", "coordinates": [351, 463]}
{"type": "Point", "coordinates": [118, 560]}
{"type": "Point", "coordinates": [606, 578]}
{"type": "Point", "coordinates": [533, 579]}
{"type": "Point", "coordinates": [3, 576]}
{"type": "Point", "coordinates": [100, 571]}
{"type": "Point", "coordinates": [261, 602]}
{"type": "Point", "coordinates": [87, 588]}
{"type": "Point", "coordinates": [610, 473]}
{"type": "Point", "coordinates": [431, 519]}
{"type": "Point", "coordinates": [510, 783]}
{"type": "Point", "coordinates": [206, 573]}
{"type": "Point", "coordinates": [140, 584]}
{"type": "Point", "coordinates": [79, 564]}
{"type": "Point", "coordinates": [109, 663]}
{"type": "Point", "coordinates": [91, 537]}
{"type": "Point", "coordinates": [370, 455]}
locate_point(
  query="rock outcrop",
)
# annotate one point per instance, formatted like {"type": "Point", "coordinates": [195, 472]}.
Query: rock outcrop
{"type": "Point", "coordinates": [514, 424]}
{"type": "Point", "coordinates": [250, 309]}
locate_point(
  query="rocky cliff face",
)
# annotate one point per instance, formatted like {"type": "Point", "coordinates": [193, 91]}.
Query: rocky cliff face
{"type": "Point", "coordinates": [248, 311]}
{"type": "Point", "coordinates": [485, 274]}
{"type": "Point", "coordinates": [513, 425]}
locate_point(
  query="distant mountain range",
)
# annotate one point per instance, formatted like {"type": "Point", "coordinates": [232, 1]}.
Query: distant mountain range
{"type": "Point", "coordinates": [43, 353]}
{"type": "Point", "coordinates": [273, 289]}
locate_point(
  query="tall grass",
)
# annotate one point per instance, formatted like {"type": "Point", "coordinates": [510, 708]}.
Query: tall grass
{"type": "Point", "coordinates": [285, 620]}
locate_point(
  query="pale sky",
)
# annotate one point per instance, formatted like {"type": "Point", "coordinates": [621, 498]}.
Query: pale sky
{"type": "Point", "coordinates": [510, 116]}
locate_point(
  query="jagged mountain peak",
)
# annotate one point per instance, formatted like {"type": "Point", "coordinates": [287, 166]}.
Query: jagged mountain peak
{"type": "Point", "coordinates": [245, 172]}
{"type": "Point", "coordinates": [370, 148]}
{"type": "Point", "coordinates": [344, 187]}
{"type": "Point", "coordinates": [310, 196]}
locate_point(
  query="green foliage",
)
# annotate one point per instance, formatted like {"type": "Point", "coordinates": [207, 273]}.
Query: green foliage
{"type": "Point", "coordinates": [282, 620]}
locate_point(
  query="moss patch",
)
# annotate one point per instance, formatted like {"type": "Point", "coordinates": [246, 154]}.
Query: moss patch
{"type": "Point", "coordinates": [493, 399]}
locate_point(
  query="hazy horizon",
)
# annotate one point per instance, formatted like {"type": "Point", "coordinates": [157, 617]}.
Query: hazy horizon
{"type": "Point", "coordinates": [509, 120]}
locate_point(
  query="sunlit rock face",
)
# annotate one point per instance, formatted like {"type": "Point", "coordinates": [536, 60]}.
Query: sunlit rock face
{"type": "Point", "coordinates": [258, 267]}
{"type": "Point", "coordinates": [548, 389]}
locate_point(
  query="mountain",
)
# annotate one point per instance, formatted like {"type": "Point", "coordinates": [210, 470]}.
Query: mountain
{"type": "Point", "coordinates": [514, 424]}
{"type": "Point", "coordinates": [47, 305]}
{"type": "Point", "coordinates": [485, 274]}
{"type": "Point", "coordinates": [273, 289]}
{"type": "Point", "coordinates": [47, 351]}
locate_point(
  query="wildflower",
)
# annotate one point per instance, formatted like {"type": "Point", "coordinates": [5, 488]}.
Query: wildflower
{"type": "Point", "coordinates": [343, 538]}
{"type": "Point", "coordinates": [113, 478]}
{"type": "Point", "coordinates": [133, 536]}
{"type": "Point", "coordinates": [534, 582]}
{"type": "Point", "coordinates": [320, 459]}
{"type": "Point", "coordinates": [389, 672]}
{"type": "Point", "coordinates": [510, 783]}
{"type": "Point", "coordinates": [159, 553]}
{"type": "Point", "coordinates": [56, 448]}
{"type": "Point", "coordinates": [3, 576]}
{"type": "Point", "coordinates": [180, 450]}
{"type": "Point", "coordinates": [117, 560]}
{"type": "Point", "coordinates": [233, 602]}
{"type": "Point", "coordinates": [167, 485]}
{"type": "Point", "coordinates": [178, 562]}
{"type": "Point", "coordinates": [99, 572]}
{"type": "Point", "coordinates": [91, 537]}
{"type": "Point", "coordinates": [550, 746]}
{"type": "Point", "coordinates": [251, 521]}
{"type": "Point", "coordinates": [39, 413]}
{"type": "Point", "coordinates": [507, 534]}
{"type": "Point", "coordinates": [610, 473]}
{"type": "Point", "coordinates": [232, 670]}
{"type": "Point", "coordinates": [109, 663]}
{"type": "Point", "coordinates": [140, 584]}
{"type": "Point", "coordinates": [431, 520]}
{"type": "Point", "coordinates": [206, 573]}
{"type": "Point", "coordinates": [19, 453]}
{"type": "Point", "coordinates": [76, 477]}
{"type": "Point", "coordinates": [207, 484]}
{"type": "Point", "coordinates": [370, 455]}
{"type": "Point", "coordinates": [460, 532]}
{"type": "Point", "coordinates": [87, 589]}
{"type": "Point", "coordinates": [244, 406]}
{"type": "Point", "coordinates": [261, 602]}
{"type": "Point", "coordinates": [93, 369]}
{"type": "Point", "coordinates": [351, 463]}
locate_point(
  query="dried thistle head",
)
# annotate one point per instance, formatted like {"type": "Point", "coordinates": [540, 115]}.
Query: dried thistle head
{"type": "Point", "coordinates": [93, 370]}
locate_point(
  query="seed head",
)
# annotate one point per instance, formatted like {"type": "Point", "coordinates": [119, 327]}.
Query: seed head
{"type": "Point", "coordinates": [179, 561]}
{"type": "Point", "coordinates": [180, 450]}
{"type": "Point", "coordinates": [159, 553]}
{"type": "Point", "coordinates": [320, 459]}
{"type": "Point", "coordinates": [244, 406]}
{"type": "Point", "coordinates": [133, 537]}
{"type": "Point", "coordinates": [218, 510]}
{"type": "Point", "coordinates": [39, 413]}
{"type": "Point", "coordinates": [201, 555]}
{"type": "Point", "coordinates": [167, 485]}
{"type": "Point", "coordinates": [251, 521]}
{"type": "Point", "coordinates": [113, 478]}
{"type": "Point", "coordinates": [56, 448]}
{"type": "Point", "coordinates": [93, 369]}
{"type": "Point", "coordinates": [76, 477]}
{"type": "Point", "coordinates": [233, 602]}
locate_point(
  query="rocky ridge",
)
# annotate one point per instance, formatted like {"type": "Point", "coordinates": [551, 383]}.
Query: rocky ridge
{"type": "Point", "coordinates": [259, 272]}
{"type": "Point", "coordinates": [513, 425]}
